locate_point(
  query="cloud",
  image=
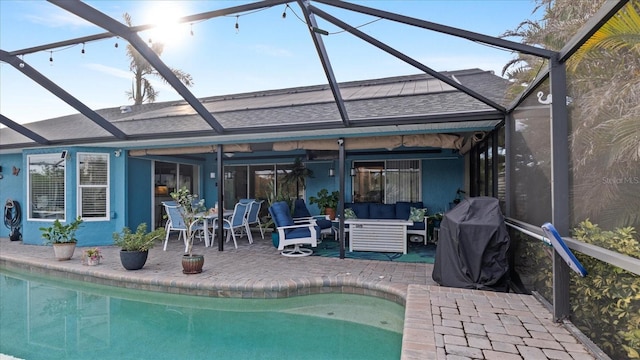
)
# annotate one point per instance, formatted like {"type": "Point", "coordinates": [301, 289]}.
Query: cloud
{"type": "Point", "coordinates": [110, 71]}
{"type": "Point", "coordinates": [272, 51]}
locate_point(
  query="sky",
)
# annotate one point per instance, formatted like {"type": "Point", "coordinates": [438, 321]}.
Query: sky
{"type": "Point", "coordinates": [265, 51]}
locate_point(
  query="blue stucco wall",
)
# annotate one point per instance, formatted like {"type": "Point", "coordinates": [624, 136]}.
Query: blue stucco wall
{"type": "Point", "coordinates": [210, 186]}
{"type": "Point", "coordinates": [131, 186]}
{"type": "Point", "coordinates": [442, 175]}
{"type": "Point", "coordinates": [441, 178]}
{"type": "Point", "coordinates": [12, 186]}
{"type": "Point", "coordinates": [91, 232]}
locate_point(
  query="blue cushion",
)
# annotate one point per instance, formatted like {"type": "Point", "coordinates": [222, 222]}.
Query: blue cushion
{"type": "Point", "coordinates": [302, 232]}
{"type": "Point", "coordinates": [300, 209]}
{"type": "Point", "coordinates": [323, 223]}
{"type": "Point", "coordinates": [280, 213]}
{"type": "Point", "coordinates": [403, 209]}
{"type": "Point", "coordinates": [361, 209]}
{"type": "Point", "coordinates": [416, 226]}
{"type": "Point", "coordinates": [382, 211]}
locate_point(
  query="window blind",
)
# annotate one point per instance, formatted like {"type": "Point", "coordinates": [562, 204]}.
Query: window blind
{"type": "Point", "coordinates": [93, 185]}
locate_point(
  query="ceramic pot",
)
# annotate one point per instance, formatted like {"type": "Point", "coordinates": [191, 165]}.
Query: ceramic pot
{"type": "Point", "coordinates": [93, 262]}
{"type": "Point", "coordinates": [64, 251]}
{"type": "Point", "coordinates": [192, 264]}
{"type": "Point", "coordinates": [133, 260]}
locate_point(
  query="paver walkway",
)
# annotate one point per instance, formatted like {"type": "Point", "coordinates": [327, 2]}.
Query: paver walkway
{"type": "Point", "coordinates": [440, 323]}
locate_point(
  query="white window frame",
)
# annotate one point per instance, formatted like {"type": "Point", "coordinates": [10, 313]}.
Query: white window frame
{"type": "Point", "coordinates": [106, 186]}
{"type": "Point", "coordinates": [49, 156]}
{"type": "Point", "coordinates": [386, 179]}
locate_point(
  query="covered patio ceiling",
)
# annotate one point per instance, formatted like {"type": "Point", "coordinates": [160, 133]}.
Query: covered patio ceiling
{"type": "Point", "coordinates": [217, 132]}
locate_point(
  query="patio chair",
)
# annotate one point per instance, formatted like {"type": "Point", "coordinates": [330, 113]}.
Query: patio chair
{"type": "Point", "coordinates": [236, 224]}
{"type": "Point", "coordinates": [176, 223]}
{"type": "Point", "coordinates": [253, 215]}
{"type": "Point", "coordinates": [300, 212]}
{"type": "Point", "coordinates": [292, 234]}
{"type": "Point", "coordinates": [164, 212]}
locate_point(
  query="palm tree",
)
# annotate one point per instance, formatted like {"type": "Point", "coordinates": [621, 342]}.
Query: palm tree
{"type": "Point", "coordinates": [297, 175]}
{"type": "Point", "coordinates": [604, 80]}
{"type": "Point", "coordinates": [141, 89]}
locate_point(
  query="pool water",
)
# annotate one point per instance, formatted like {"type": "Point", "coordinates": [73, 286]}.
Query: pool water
{"type": "Point", "coordinates": [44, 318]}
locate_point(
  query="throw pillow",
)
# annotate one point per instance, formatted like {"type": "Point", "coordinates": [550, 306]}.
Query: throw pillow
{"type": "Point", "coordinates": [417, 215]}
{"type": "Point", "coordinates": [349, 214]}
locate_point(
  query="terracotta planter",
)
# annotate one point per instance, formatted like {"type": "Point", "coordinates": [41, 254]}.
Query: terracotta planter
{"type": "Point", "coordinates": [331, 212]}
{"type": "Point", "coordinates": [192, 264]}
{"type": "Point", "coordinates": [64, 251]}
{"type": "Point", "coordinates": [133, 260]}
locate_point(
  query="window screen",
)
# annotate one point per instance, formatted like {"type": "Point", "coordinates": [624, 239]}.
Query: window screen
{"type": "Point", "coordinates": [46, 186]}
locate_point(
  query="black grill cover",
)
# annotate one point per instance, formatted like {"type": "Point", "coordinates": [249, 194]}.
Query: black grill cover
{"type": "Point", "coordinates": [473, 247]}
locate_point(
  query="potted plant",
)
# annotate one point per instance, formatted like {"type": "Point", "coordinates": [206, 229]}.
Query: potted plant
{"type": "Point", "coordinates": [326, 201]}
{"type": "Point", "coordinates": [134, 247]}
{"type": "Point", "coordinates": [192, 211]}
{"type": "Point", "coordinates": [91, 256]}
{"type": "Point", "coordinates": [62, 238]}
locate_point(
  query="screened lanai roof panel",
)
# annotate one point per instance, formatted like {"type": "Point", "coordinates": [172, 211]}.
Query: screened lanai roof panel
{"type": "Point", "coordinates": [381, 101]}
{"type": "Point", "coordinates": [442, 103]}
{"type": "Point", "coordinates": [398, 86]}
{"type": "Point", "coordinates": [63, 128]}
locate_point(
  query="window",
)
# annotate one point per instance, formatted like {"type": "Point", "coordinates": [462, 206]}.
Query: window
{"type": "Point", "coordinates": [257, 181]}
{"type": "Point", "coordinates": [93, 186]}
{"type": "Point", "coordinates": [46, 186]}
{"type": "Point", "coordinates": [387, 181]}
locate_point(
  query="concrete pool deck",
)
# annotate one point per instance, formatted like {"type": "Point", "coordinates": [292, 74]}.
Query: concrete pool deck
{"type": "Point", "coordinates": [440, 322]}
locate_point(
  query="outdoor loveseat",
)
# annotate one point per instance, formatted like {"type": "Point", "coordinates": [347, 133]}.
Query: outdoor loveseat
{"type": "Point", "coordinates": [401, 210]}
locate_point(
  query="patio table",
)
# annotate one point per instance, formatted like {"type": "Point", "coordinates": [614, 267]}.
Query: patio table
{"type": "Point", "coordinates": [209, 218]}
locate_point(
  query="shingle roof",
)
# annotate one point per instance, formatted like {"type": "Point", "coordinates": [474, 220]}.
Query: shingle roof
{"type": "Point", "coordinates": [387, 101]}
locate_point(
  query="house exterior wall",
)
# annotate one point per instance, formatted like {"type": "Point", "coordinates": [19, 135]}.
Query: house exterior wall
{"type": "Point", "coordinates": [91, 232]}
{"type": "Point", "coordinates": [12, 186]}
{"type": "Point", "coordinates": [131, 182]}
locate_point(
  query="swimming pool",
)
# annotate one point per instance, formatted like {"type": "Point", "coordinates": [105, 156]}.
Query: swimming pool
{"type": "Point", "coordinates": [44, 318]}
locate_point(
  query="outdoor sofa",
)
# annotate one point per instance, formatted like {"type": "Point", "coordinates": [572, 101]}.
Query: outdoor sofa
{"type": "Point", "coordinates": [401, 210]}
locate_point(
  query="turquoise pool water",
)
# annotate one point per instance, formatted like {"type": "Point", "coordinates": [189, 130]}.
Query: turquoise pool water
{"type": "Point", "coordinates": [43, 318]}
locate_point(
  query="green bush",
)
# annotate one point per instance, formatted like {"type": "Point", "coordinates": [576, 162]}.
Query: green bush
{"type": "Point", "coordinates": [141, 240]}
{"type": "Point", "coordinates": [606, 303]}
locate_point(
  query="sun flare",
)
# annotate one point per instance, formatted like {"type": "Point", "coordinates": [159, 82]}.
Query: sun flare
{"type": "Point", "coordinates": [168, 30]}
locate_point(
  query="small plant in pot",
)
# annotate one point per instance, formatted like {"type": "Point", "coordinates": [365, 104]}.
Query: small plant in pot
{"type": "Point", "coordinates": [327, 202]}
{"type": "Point", "coordinates": [134, 246]}
{"type": "Point", "coordinates": [62, 238]}
{"type": "Point", "coordinates": [192, 212]}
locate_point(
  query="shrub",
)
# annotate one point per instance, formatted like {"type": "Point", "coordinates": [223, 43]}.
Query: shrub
{"type": "Point", "coordinates": [606, 303]}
